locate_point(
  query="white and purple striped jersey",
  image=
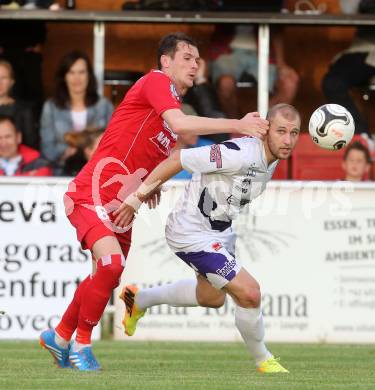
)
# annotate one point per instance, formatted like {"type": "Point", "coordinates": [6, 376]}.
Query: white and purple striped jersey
{"type": "Point", "coordinates": [226, 177]}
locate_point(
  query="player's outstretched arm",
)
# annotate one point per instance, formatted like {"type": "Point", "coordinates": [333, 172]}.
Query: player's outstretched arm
{"type": "Point", "coordinates": [163, 172]}
{"type": "Point", "coordinates": [251, 124]}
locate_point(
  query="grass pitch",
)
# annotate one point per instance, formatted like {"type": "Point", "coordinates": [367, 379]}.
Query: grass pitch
{"type": "Point", "coordinates": [173, 365]}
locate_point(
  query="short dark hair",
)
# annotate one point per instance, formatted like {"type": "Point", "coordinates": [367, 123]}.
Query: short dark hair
{"type": "Point", "coordinates": [8, 118]}
{"type": "Point", "coordinates": [360, 147]}
{"type": "Point", "coordinates": [61, 95]}
{"type": "Point", "coordinates": [168, 44]}
{"type": "Point", "coordinates": [286, 110]}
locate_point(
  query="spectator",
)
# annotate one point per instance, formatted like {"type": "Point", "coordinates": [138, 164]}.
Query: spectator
{"type": "Point", "coordinates": [357, 162]}
{"type": "Point", "coordinates": [353, 67]}
{"type": "Point", "coordinates": [19, 110]}
{"type": "Point", "coordinates": [76, 106]}
{"type": "Point", "coordinates": [17, 159]}
{"type": "Point", "coordinates": [85, 144]}
{"type": "Point", "coordinates": [234, 55]}
{"type": "Point", "coordinates": [203, 99]}
{"type": "Point", "coordinates": [202, 96]}
{"type": "Point", "coordinates": [21, 44]}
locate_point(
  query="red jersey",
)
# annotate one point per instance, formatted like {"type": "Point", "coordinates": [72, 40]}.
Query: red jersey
{"type": "Point", "coordinates": [136, 140]}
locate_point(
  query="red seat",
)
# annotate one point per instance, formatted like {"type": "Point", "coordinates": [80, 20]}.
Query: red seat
{"type": "Point", "coordinates": [310, 162]}
{"type": "Point", "coordinates": [281, 171]}
{"type": "Point", "coordinates": [372, 169]}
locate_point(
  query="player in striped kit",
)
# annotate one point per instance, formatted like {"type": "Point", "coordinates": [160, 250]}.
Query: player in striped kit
{"type": "Point", "coordinates": [226, 177]}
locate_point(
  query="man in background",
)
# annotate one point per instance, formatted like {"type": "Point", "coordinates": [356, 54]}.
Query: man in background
{"type": "Point", "coordinates": [234, 56]}
{"type": "Point", "coordinates": [17, 159]}
{"type": "Point", "coordinates": [353, 67]}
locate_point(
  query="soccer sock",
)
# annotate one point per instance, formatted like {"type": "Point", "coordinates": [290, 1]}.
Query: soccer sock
{"type": "Point", "coordinates": [69, 321]}
{"type": "Point", "coordinates": [180, 293]}
{"type": "Point", "coordinates": [249, 322]}
{"type": "Point", "coordinates": [97, 293]}
{"type": "Point", "coordinates": [62, 343]}
{"type": "Point", "coordinates": [76, 347]}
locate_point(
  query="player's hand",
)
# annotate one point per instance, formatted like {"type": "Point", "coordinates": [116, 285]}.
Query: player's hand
{"type": "Point", "coordinates": [252, 124]}
{"type": "Point", "coordinates": [68, 152]}
{"type": "Point", "coordinates": [154, 200]}
{"type": "Point", "coordinates": [124, 215]}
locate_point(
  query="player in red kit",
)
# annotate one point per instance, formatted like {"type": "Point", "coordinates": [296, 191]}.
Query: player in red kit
{"type": "Point", "coordinates": [141, 134]}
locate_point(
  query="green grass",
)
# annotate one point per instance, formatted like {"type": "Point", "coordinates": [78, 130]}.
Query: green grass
{"type": "Point", "coordinates": [173, 365]}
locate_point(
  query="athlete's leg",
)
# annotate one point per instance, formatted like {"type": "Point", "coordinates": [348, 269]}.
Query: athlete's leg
{"type": "Point", "coordinates": [179, 293]}
{"type": "Point", "coordinates": [245, 291]}
{"type": "Point", "coordinates": [207, 295]}
{"type": "Point", "coordinates": [190, 292]}
{"type": "Point", "coordinates": [57, 341]}
{"type": "Point", "coordinates": [69, 321]}
{"type": "Point", "coordinates": [68, 324]}
{"type": "Point", "coordinates": [109, 267]}
{"type": "Point", "coordinates": [187, 292]}
{"type": "Point", "coordinates": [92, 295]}
{"type": "Point", "coordinates": [184, 292]}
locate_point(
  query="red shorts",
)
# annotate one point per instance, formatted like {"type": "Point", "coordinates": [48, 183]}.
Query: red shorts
{"type": "Point", "coordinates": [90, 228]}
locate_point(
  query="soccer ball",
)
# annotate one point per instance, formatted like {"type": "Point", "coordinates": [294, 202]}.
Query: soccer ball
{"type": "Point", "coordinates": [331, 126]}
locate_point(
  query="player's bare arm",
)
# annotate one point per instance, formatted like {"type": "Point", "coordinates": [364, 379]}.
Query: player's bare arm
{"type": "Point", "coordinates": [251, 124]}
{"type": "Point", "coordinates": [149, 191]}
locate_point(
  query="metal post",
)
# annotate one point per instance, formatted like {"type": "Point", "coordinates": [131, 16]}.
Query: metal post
{"type": "Point", "coordinates": [264, 48]}
{"type": "Point", "coordinates": [99, 49]}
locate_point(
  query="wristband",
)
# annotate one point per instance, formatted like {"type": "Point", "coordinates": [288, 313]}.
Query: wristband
{"type": "Point", "coordinates": [133, 201]}
{"type": "Point", "coordinates": [136, 199]}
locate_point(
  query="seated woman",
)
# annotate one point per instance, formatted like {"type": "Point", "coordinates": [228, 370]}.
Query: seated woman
{"type": "Point", "coordinates": [20, 111]}
{"type": "Point", "coordinates": [84, 143]}
{"type": "Point", "coordinates": [75, 106]}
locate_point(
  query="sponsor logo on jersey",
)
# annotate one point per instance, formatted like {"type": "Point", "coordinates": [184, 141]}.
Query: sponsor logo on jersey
{"type": "Point", "coordinates": [215, 156]}
{"type": "Point", "coordinates": [216, 246]}
{"type": "Point", "coordinates": [166, 127]}
{"type": "Point", "coordinates": [162, 142]}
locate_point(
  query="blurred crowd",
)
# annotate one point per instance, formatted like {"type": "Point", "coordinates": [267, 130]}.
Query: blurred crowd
{"type": "Point", "coordinates": [57, 136]}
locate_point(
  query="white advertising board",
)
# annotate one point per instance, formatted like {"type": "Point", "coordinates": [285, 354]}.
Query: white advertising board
{"type": "Point", "coordinates": [41, 261]}
{"type": "Point", "coordinates": [310, 245]}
